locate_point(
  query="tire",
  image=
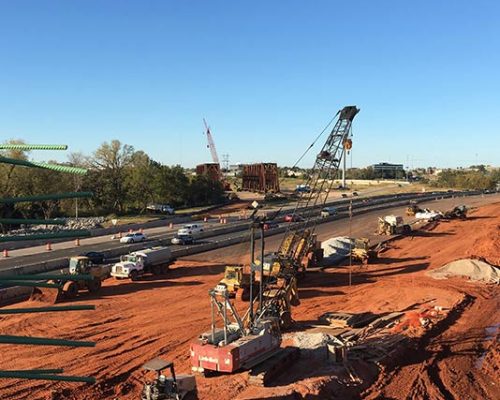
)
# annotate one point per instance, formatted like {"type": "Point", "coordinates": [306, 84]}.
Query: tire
{"type": "Point", "coordinates": [134, 275]}
{"type": "Point", "coordinates": [156, 270]}
{"type": "Point", "coordinates": [70, 289]}
{"type": "Point", "coordinates": [243, 294]}
{"type": "Point", "coordinates": [165, 269]}
{"type": "Point", "coordinates": [94, 285]}
{"type": "Point", "coordinates": [286, 320]}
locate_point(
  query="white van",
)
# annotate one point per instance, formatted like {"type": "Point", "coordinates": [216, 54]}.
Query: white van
{"type": "Point", "coordinates": [190, 229]}
{"type": "Point", "coordinates": [328, 212]}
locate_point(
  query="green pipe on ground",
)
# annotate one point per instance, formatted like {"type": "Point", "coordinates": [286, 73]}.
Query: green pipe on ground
{"type": "Point", "coordinates": [44, 197]}
{"type": "Point", "coordinates": [45, 377]}
{"type": "Point", "coordinates": [36, 371]}
{"type": "Point", "coordinates": [52, 235]}
{"type": "Point", "coordinates": [31, 284]}
{"type": "Point", "coordinates": [38, 341]}
{"type": "Point", "coordinates": [36, 164]}
{"type": "Point", "coordinates": [5, 311]}
{"type": "Point", "coordinates": [16, 221]}
{"type": "Point", "coordinates": [46, 277]}
{"type": "Point", "coordinates": [21, 146]}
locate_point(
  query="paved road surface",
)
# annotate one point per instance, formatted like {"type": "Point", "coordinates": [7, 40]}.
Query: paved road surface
{"type": "Point", "coordinates": [363, 225]}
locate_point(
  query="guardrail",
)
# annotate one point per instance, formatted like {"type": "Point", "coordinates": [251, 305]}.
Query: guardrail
{"type": "Point", "coordinates": [359, 205]}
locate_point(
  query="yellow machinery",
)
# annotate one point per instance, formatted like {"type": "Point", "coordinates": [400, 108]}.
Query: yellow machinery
{"type": "Point", "coordinates": [392, 225]}
{"type": "Point", "coordinates": [362, 252]}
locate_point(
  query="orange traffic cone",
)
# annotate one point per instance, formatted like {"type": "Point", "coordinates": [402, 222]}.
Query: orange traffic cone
{"type": "Point", "coordinates": [48, 247]}
{"type": "Point", "coordinates": [6, 253]}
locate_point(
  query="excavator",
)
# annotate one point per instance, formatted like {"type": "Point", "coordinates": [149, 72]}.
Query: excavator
{"type": "Point", "coordinates": [254, 341]}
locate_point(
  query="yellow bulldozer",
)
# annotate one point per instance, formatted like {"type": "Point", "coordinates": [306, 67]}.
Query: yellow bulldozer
{"type": "Point", "coordinates": [362, 251]}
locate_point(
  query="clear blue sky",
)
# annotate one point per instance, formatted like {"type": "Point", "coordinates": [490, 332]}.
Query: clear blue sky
{"type": "Point", "coordinates": [267, 75]}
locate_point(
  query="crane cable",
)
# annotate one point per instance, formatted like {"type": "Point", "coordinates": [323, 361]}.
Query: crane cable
{"type": "Point", "coordinates": [314, 142]}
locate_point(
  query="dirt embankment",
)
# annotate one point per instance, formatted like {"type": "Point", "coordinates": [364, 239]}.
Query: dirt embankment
{"type": "Point", "coordinates": [134, 322]}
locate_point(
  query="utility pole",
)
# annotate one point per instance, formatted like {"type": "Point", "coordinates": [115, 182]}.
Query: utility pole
{"type": "Point", "coordinates": [344, 168]}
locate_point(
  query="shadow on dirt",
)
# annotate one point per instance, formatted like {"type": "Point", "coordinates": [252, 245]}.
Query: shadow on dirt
{"type": "Point", "coordinates": [199, 270]}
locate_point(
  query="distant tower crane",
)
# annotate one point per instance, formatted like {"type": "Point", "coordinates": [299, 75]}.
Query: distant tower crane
{"type": "Point", "coordinates": [215, 157]}
{"type": "Point", "coordinates": [211, 144]}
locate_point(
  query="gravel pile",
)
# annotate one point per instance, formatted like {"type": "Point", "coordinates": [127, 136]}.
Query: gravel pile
{"type": "Point", "coordinates": [312, 345]}
{"type": "Point", "coordinates": [475, 270]}
{"type": "Point", "coordinates": [71, 224]}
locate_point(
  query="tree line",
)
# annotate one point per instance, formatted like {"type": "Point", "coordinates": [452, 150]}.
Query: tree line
{"type": "Point", "coordinates": [122, 179]}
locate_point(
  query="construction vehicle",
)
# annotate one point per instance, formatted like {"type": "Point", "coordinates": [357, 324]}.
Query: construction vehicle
{"type": "Point", "coordinates": [362, 251]}
{"type": "Point", "coordinates": [254, 341]}
{"type": "Point", "coordinates": [457, 212]}
{"type": "Point", "coordinates": [392, 225]}
{"type": "Point", "coordinates": [412, 209]}
{"type": "Point", "coordinates": [173, 387]}
{"type": "Point", "coordinates": [236, 281]}
{"type": "Point", "coordinates": [155, 260]}
{"type": "Point", "coordinates": [68, 288]}
{"type": "Point", "coordinates": [242, 343]}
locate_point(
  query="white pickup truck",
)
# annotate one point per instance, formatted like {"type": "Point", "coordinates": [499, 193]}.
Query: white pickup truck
{"type": "Point", "coordinates": [155, 260]}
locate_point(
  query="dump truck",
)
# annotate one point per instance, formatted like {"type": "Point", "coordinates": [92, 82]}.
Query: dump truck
{"type": "Point", "coordinates": [392, 225]}
{"type": "Point", "coordinates": [155, 260]}
{"type": "Point", "coordinates": [173, 387]}
{"type": "Point", "coordinates": [68, 288]}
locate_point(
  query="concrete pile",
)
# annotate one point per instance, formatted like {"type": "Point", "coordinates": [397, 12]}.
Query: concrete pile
{"type": "Point", "coordinates": [336, 249]}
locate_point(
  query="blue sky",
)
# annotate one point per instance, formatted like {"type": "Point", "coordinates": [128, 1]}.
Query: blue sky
{"type": "Point", "coordinates": [267, 75]}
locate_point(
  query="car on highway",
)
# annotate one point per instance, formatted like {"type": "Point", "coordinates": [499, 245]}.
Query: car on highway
{"type": "Point", "coordinates": [161, 208]}
{"type": "Point", "coordinates": [183, 239]}
{"type": "Point", "coordinates": [190, 229]}
{"type": "Point", "coordinates": [96, 257]}
{"type": "Point", "coordinates": [293, 218]}
{"type": "Point", "coordinates": [328, 211]}
{"type": "Point", "coordinates": [303, 188]}
{"type": "Point", "coordinates": [270, 225]}
{"type": "Point", "coordinates": [355, 194]}
{"type": "Point", "coordinates": [134, 237]}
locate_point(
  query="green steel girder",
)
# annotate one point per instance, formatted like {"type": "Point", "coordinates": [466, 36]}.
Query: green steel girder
{"type": "Point", "coordinates": [46, 277]}
{"type": "Point", "coordinates": [21, 146]}
{"type": "Point", "coordinates": [30, 310]}
{"type": "Point", "coordinates": [52, 235]}
{"type": "Point", "coordinates": [17, 221]}
{"type": "Point", "coordinates": [36, 164]}
{"type": "Point", "coordinates": [44, 197]}
{"type": "Point", "coordinates": [31, 284]}
{"type": "Point", "coordinates": [37, 371]}
{"type": "Point", "coordinates": [39, 341]}
{"type": "Point", "coordinates": [45, 377]}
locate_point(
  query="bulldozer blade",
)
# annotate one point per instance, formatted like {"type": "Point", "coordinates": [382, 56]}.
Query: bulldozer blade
{"type": "Point", "coordinates": [46, 295]}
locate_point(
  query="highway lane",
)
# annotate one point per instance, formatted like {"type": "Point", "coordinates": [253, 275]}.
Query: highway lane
{"type": "Point", "coordinates": [166, 234]}
{"type": "Point", "coordinates": [363, 225]}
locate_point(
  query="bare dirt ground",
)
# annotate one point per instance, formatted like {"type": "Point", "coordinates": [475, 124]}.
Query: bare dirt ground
{"type": "Point", "coordinates": [457, 358]}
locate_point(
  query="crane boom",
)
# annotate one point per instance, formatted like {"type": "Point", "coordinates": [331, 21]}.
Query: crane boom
{"type": "Point", "coordinates": [211, 144]}
{"type": "Point", "coordinates": [320, 181]}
